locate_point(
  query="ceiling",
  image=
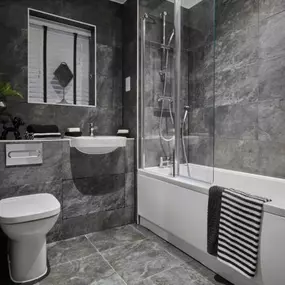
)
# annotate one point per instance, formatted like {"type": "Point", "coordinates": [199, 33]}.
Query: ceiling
{"type": "Point", "coordinates": [185, 3]}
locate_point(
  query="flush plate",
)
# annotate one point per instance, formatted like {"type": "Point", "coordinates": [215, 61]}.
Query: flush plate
{"type": "Point", "coordinates": [24, 154]}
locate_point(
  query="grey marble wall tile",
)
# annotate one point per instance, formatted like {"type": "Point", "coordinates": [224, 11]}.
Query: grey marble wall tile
{"type": "Point", "coordinates": [109, 91]}
{"type": "Point", "coordinates": [80, 165]}
{"type": "Point", "coordinates": [53, 188]}
{"type": "Point", "coordinates": [201, 91]}
{"type": "Point", "coordinates": [271, 74]}
{"type": "Point", "coordinates": [236, 14]}
{"type": "Point", "coordinates": [271, 119]}
{"type": "Point", "coordinates": [237, 85]}
{"type": "Point", "coordinates": [50, 170]}
{"type": "Point", "coordinates": [271, 42]}
{"type": "Point", "coordinates": [105, 59]}
{"type": "Point", "coordinates": [55, 234]}
{"type": "Point", "coordinates": [156, 148]}
{"type": "Point", "coordinates": [201, 121]}
{"type": "Point", "coordinates": [130, 120]}
{"type": "Point", "coordinates": [130, 153]}
{"type": "Point", "coordinates": [89, 195]}
{"type": "Point", "coordinates": [16, 176]}
{"type": "Point", "coordinates": [239, 155]}
{"type": "Point", "coordinates": [269, 8]}
{"type": "Point", "coordinates": [97, 222]}
{"type": "Point", "coordinates": [237, 47]}
{"type": "Point", "coordinates": [271, 160]}
{"type": "Point", "coordinates": [200, 150]}
{"type": "Point", "coordinates": [237, 121]}
{"type": "Point", "coordinates": [130, 189]}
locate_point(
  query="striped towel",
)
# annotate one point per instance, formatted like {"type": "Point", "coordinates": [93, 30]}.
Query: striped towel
{"type": "Point", "coordinates": [239, 230]}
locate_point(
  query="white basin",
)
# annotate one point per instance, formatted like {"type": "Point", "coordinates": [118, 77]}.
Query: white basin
{"type": "Point", "coordinates": [97, 144]}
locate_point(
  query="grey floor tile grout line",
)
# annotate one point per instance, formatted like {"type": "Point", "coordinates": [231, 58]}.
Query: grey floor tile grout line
{"type": "Point", "coordinates": [149, 277]}
{"type": "Point", "coordinates": [106, 260]}
{"type": "Point", "coordinates": [177, 258]}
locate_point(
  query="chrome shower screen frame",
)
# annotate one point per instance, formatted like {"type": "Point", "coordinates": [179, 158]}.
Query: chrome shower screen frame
{"type": "Point", "coordinates": [177, 85]}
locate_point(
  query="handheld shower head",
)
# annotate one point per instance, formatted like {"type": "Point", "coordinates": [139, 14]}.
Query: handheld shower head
{"type": "Point", "coordinates": [170, 38]}
{"type": "Point", "coordinates": [186, 109]}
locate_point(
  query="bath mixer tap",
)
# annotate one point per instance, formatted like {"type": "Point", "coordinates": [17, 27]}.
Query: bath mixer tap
{"type": "Point", "coordinates": [165, 162]}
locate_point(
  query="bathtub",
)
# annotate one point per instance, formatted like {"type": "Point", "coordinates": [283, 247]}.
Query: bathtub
{"type": "Point", "coordinates": [175, 208]}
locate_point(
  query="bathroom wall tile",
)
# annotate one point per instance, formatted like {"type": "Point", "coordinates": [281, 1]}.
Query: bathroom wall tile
{"type": "Point", "coordinates": [271, 159]}
{"type": "Point", "coordinates": [200, 150]}
{"type": "Point", "coordinates": [237, 121]}
{"type": "Point", "coordinates": [237, 47]}
{"type": "Point", "coordinates": [82, 165]}
{"type": "Point", "coordinates": [52, 153]}
{"type": "Point", "coordinates": [130, 189]}
{"type": "Point", "coordinates": [237, 85]}
{"type": "Point", "coordinates": [272, 43]}
{"type": "Point", "coordinates": [50, 170]}
{"type": "Point", "coordinates": [271, 120]}
{"type": "Point", "coordinates": [54, 188]}
{"type": "Point", "coordinates": [156, 148]}
{"type": "Point", "coordinates": [97, 222]}
{"type": "Point", "coordinates": [271, 74]}
{"type": "Point", "coordinates": [55, 233]}
{"type": "Point", "coordinates": [239, 155]}
{"type": "Point", "coordinates": [269, 8]}
{"type": "Point", "coordinates": [105, 59]}
{"type": "Point", "coordinates": [89, 195]}
{"type": "Point", "coordinates": [130, 153]}
{"type": "Point", "coordinates": [236, 14]}
{"type": "Point", "coordinates": [16, 176]}
{"type": "Point", "coordinates": [130, 120]}
{"type": "Point", "coordinates": [201, 121]}
{"type": "Point", "coordinates": [201, 91]}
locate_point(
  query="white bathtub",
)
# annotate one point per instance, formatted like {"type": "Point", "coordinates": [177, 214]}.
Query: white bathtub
{"type": "Point", "coordinates": [176, 209]}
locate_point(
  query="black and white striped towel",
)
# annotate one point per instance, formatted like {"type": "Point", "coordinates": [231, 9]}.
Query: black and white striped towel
{"type": "Point", "coordinates": [239, 230]}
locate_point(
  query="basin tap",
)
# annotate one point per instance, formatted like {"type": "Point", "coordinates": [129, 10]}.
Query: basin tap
{"type": "Point", "coordinates": [91, 130]}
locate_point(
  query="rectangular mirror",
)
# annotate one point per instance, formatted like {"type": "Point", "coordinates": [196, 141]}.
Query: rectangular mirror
{"type": "Point", "coordinates": [61, 60]}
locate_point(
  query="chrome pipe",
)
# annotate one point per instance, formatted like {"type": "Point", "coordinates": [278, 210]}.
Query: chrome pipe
{"type": "Point", "coordinates": [177, 85]}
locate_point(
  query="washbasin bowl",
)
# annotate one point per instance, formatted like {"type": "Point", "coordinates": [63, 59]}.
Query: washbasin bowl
{"type": "Point", "coordinates": [97, 144]}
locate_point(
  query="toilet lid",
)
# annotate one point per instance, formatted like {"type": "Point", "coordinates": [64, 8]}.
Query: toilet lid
{"type": "Point", "coordinates": [28, 208]}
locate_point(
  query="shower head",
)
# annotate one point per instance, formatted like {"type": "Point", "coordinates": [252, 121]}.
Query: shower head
{"type": "Point", "coordinates": [170, 38]}
{"type": "Point", "coordinates": [186, 109]}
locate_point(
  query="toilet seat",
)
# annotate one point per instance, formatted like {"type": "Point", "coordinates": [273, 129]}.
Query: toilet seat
{"type": "Point", "coordinates": [28, 208]}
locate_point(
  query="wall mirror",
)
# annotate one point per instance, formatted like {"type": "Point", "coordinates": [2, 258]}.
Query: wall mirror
{"type": "Point", "coordinates": [61, 60]}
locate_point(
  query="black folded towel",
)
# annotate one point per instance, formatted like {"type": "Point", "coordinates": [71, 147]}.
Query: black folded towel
{"type": "Point", "coordinates": [73, 134]}
{"type": "Point", "coordinates": [42, 129]}
{"type": "Point", "coordinates": [214, 212]}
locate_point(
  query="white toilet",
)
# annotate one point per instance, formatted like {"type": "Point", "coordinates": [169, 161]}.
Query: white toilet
{"type": "Point", "coordinates": [26, 220]}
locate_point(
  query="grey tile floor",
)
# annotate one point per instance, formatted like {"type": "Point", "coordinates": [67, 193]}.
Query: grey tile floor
{"type": "Point", "coordinates": [129, 255]}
